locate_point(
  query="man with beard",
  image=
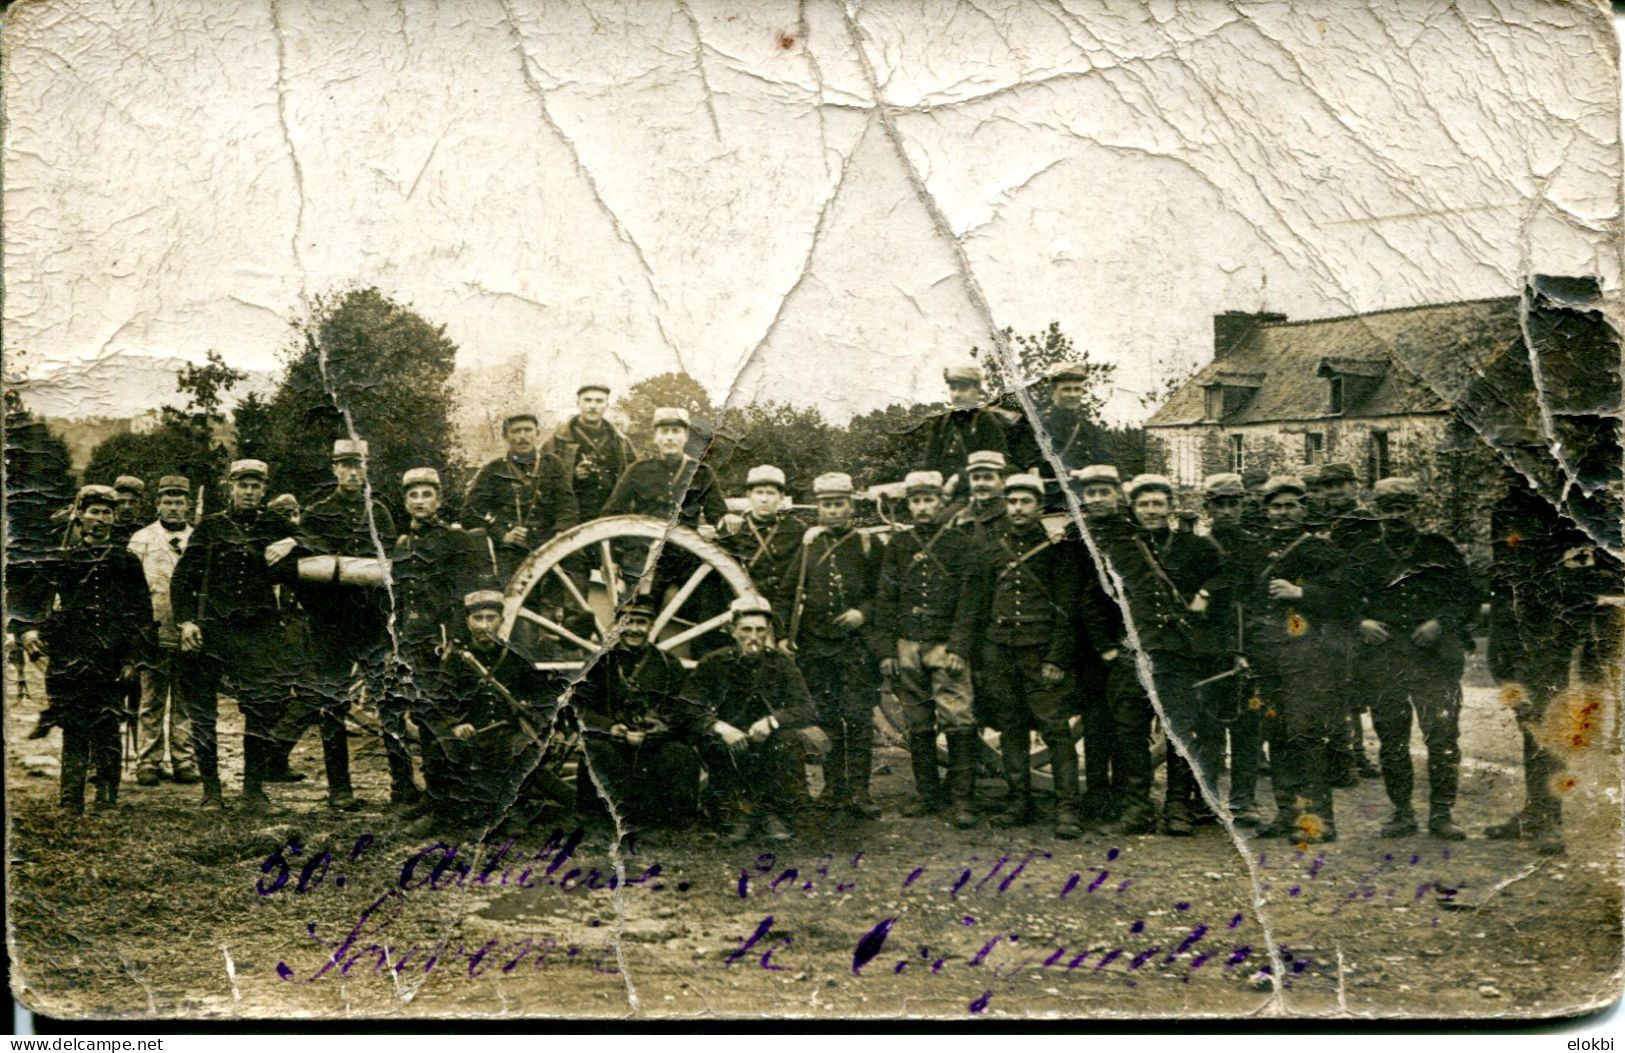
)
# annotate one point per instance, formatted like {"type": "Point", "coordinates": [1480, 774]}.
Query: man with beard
{"type": "Point", "coordinates": [594, 453]}
{"type": "Point", "coordinates": [830, 592]}
{"type": "Point", "coordinates": [489, 726]}
{"type": "Point", "coordinates": [922, 606]}
{"type": "Point", "coordinates": [1229, 506]}
{"type": "Point", "coordinates": [1414, 627]}
{"type": "Point", "coordinates": [131, 491]}
{"type": "Point", "coordinates": [766, 538]}
{"type": "Point", "coordinates": [1100, 493]}
{"type": "Point", "coordinates": [1165, 575]}
{"type": "Point", "coordinates": [1025, 610]}
{"type": "Point", "coordinates": [521, 499]}
{"type": "Point", "coordinates": [161, 717]}
{"type": "Point", "coordinates": [88, 615]}
{"type": "Point", "coordinates": [1292, 592]}
{"type": "Point", "coordinates": [223, 595]}
{"type": "Point", "coordinates": [348, 627]}
{"type": "Point", "coordinates": [1077, 440]}
{"type": "Point", "coordinates": [984, 472]}
{"type": "Point", "coordinates": [434, 565]}
{"type": "Point", "coordinates": [635, 760]}
{"type": "Point", "coordinates": [747, 710]}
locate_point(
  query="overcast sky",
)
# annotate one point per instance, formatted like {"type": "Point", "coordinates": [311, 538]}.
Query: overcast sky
{"type": "Point", "coordinates": [612, 190]}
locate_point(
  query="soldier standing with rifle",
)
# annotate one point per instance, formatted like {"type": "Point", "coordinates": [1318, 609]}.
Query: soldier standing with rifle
{"type": "Point", "coordinates": [87, 614]}
{"type": "Point", "coordinates": [923, 604]}
{"type": "Point", "coordinates": [594, 453]}
{"type": "Point", "coordinates": [223, 596]}
{"type": "Point", "coordinates": [162, 716]}
{"type": "Point", "coordinates": [747, 710]}
{"type": "Point", "coordinates": [522, 499]}
{"type": "Point", "coordinates": [1229, 507]}
{"type": "Point", "coordinates": [1415, 627]}
{"type": "Point", "coordinates": [1334, 501]}
{"type": "Point", "coordinates": [635, 759]}
{"type": "Point", "coordinates": [434, 565]}
{"type": "Point", "coordinates": [1025, 609]}
{"type": "Point", "coordinates": [1100, 492]}
{"type": "Point", "coordinates": [348, 628]}
{"type": "Point", "coordinates": [830, 592]}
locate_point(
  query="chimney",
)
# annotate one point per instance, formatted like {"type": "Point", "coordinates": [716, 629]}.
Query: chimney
{"type": "Point", "coordinates": [1231, 328]}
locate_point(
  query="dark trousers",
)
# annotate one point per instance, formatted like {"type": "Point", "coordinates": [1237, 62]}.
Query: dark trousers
{"type": "Point", "coordinates": [338, 654]}
{"type": "Point", "coordinates": [87, 703]}
{"type": "Point", "coordinates": [844, 680]}
{"type": "Point", "coordinates": [765, 778]}
{"type": "Point", "coordinates": [1428, 681]}
{"type": "Point", "coordinates": [250, 657]}
{"type": "Point", "coordinates": [1303, 719]}
{"type": "Point", "coordinates": [656, 783]}
{"type": "Point", "coordinates": [1094, 701]}
{"type": "Point", "coordinates": [1023, 703]}
{"type": "Point", "coordinates": [1542, 678]}
{"type": "Point", "coordinates": [1195, 737]}
{"type": "Point", "coordinates": [1131, 717]}
{"type": "Point", "coordinates": [1246, 754]}
{"type": "Point", "coordinates": [1346, 675]}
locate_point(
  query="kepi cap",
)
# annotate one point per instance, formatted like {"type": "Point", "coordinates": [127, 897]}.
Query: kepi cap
{"type": "Point", "coordinates": [765, 475]}
{"type": "Point", "coordinates": [1253, 478]}
{"type": "Point", "coordinates": [482, 599]}
{"type": "Point", "coordinates": [514, 418]}
{"type": "Point", "coordinates": [246, 467]}
{"type": "Point", "coordinates": [1024, 481]}
{"type": "Point", "coordinates": [1334, 473]}
{"type": "Point", "coordinates": [638, 604]}
{"type": "Point", "coordinates": [671, 415]}
{"type": "Point", "coordinates": [986, 460]}
{"type": "Point", "coordinates": [283, 504]}
{"type": "Point", "coordinates": [592, 386]}
{"type": "Point", "coordinates": [420, 477]}
{"type": "Point", "coordinates": [1096, 473]}
{"type": "Point", "coordinates": [1223, 484]}
{"type": "Point", "coordinates": [1396, 490]}
{"type": "Point", "coordinates": [174, 484]}
{"type": "Point", "coordinates": [963, 375]}
{"type": "Point", "coordinates": [1148, 481]}
{"type": "Point", "coordinates": [129, 484]}
{"type": "Point", "coordinates": [1279, 484]}
{"type": "Point", "coordinates": [96, 494]}
{"type": "Point", "coordinates": [922, 483]}
{"type": "Point", "coordinates": [833, 484]}
{"type": "Point", "coordinates": [1070, 371]}
{"type": "Point", "coordinates": [750, 603]}
{"type": "Point", "coordinates": [349, 449]}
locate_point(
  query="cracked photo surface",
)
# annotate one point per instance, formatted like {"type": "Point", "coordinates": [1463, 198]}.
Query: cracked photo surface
{"type": "Point", "coordinates": [991, 509]}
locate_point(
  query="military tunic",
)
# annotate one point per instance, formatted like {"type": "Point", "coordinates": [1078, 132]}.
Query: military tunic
{"type": "Point", "coordinates": [922, 604]}
{"type": "Point", "coordinates": [605, 452]}
{"type": "Point", "coordinates": [637, 689]}
{"type": "Point", "coordinates": [533, 492]}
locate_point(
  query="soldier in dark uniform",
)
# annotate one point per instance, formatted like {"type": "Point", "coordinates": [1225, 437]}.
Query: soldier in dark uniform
{"type": "Point", "coordinates": [969, 425]}
{"type": "Point", "coordinates": [670, 485]}
{"type": "Point", "coordinates": [1338, 513]}
{"type": "Point", "coordinates": [747, 710]}
{"type": "Point", "coordinates": [1165, 574]}
{"type": "Point", "coordinates": [765, 539]}
{"type": "Point", "coordinates": [633, 745]}
{"type": "Point", "coordinates": [131, 513]}
{"type": "Point", "coordinates": [922, 605]}
{"type": "Point", "coordinates": [1100, 493]}
{"type": "Point", "coordinates": [1026, 598]}
{"type": "Point", "coordinates": [1252, 514]}
{"type": "Point", "coordinates": [349, 626]}
{"type": "Point", "coordinates": [1077, 439]}
{"type": "Point", "coordinates": [1229, 507]}
{"type": "Point", "coordinates": [223, 595]}
{"type": "Point", "coordinates": [1546, 575]}
{"type": "Point", "coordinates": [489, 724]}
{"type": "Point", "coordinates": [593, 451]}
{"type": "Point", "coordinates": [1414, 630]}
{"type": "Point", "coordinates": [1294, 589]}
{"type": "Point", "coordinates": [88, 615]}
{"type": "Point", "coordinates": [830, 592]}
{"type": "Point", "coordinates": [434, 565]}
{"type": "Point", "coordinates": [984, 471]}
{"type": "Point", "coordinates": [522, 499]}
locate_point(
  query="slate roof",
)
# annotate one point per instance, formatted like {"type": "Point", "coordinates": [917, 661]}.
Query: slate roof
{"type": "Point", "coordinates": [1448, 344]}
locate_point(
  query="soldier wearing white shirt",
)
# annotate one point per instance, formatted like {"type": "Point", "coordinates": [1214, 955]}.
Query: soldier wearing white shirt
{"type": "Point", "coordinates": [159, 545]}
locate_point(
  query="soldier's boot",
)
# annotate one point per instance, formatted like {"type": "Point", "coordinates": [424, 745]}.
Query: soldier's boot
{"type": "Point", "coordinates": [1442, 826]}
{"type": "Point", "coordinates": [837, 790]}
{"type": "Point", "coordinates": [922, 756]}
{"type": "Point", "coordinates": [737, 824]}
{"type": "Point", "coordinates": [1401, 824]}
{"type": "Point", "coordinates": [404, 794]}
{"type": "Point", "coordinates": [1018, 776]}
{"type": "Point", "coordinates": [1064, 765]}
{"type": "Point", "coordinates": [1519, 826]}
{"type": "Point", "coordinates": [962, 776]}
{"type": "Point", "coordinates": [860, 762]}
{"type": "Point", "coordinates": [336, 762]}
{"type": "Point", "coordinates": [213, 800]}
{"type": "Point", "coordinates": [254, 762]}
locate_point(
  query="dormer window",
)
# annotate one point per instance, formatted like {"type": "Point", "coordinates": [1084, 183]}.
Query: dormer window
{"type": "Point", "coordinates": [1350, 381]}
{"type": "Point", "coordinates": [1227, 393]}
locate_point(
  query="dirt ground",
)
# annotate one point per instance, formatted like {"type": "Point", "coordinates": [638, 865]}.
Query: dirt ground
{"type": "Point", "coordinates": [158, 909]}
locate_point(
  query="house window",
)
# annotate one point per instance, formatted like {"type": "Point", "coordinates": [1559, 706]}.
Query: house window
{"type": "Point", "coordinates": [1337, 395]}
{"type": "Point", "coordinates": [1213, 405]}
{"type": "Point", "coordinates": [1378, 457]}
{"type": "Point", "coordinates": [1238, 453]}
{"type": "Point", "coordinates": [1314, 447]}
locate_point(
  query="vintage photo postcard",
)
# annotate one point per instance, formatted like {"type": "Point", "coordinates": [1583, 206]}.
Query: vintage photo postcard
{"type": "Point", "coordinates": [812, 509]}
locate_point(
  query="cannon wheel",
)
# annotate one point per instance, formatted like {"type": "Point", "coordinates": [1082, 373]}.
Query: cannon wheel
{"type": "Point", "coordinates": [558, 566]}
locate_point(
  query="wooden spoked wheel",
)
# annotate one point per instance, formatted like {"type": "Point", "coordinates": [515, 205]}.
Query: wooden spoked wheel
{"type": "Point", "coordinates": [567, 594]}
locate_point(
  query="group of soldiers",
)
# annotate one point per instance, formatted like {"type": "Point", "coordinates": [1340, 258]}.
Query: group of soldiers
{"type": "Point", "coordinates": [1031, 590]}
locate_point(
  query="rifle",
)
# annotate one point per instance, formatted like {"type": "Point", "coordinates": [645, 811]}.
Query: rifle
{"type": "Point", "coordinates": [521, 716]}
{"type": "Point", "coordinates": [800, 602]}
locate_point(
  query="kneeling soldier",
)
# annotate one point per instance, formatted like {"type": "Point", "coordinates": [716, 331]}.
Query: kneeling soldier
{"type": "Point", "coordinates": [921, 604]}
{"type": "Point", "coordinates": [635, 759]}
{"type": "Point", "coordinates": [751, 717]}
{"type": "Point", "coordinates": [89, 614]}
{"type": "Point", "coordinates": [1027, 615]}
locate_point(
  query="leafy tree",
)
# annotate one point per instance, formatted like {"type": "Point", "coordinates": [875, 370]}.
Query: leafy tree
{"type": "Point", "coordinates": [883, 445]}
{"type": "Point", "coordinates": [39, 482]}
{"type": "Point", "coordinates": [798, 441]}
{"type": "Point", "coordinates": [360, 360]}
{"type": "Point", "coordinates": [1037, 356]}
{"type": "Point", "coordinates": [638, 404]}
